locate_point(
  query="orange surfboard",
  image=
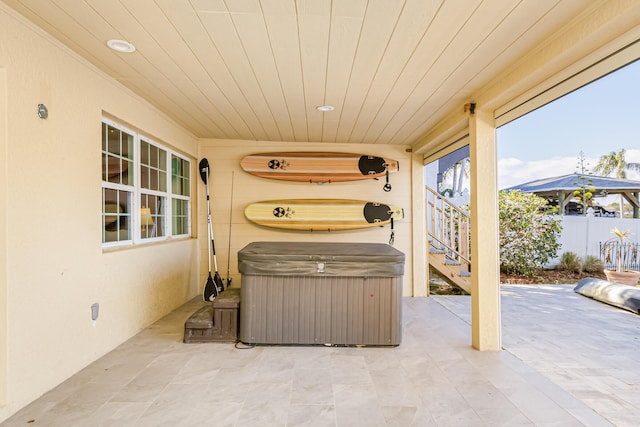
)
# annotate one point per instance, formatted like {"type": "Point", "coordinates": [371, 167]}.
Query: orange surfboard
{"type": "Point", "coordinates": [319, 167]}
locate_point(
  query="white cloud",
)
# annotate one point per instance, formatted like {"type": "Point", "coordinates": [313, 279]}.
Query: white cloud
{"type": "Point", "coordinates": [515, 171]}
{"type": "Point", "coordinates": [510, 162]}
{"type": "Point", "coordinates": [633, 156]}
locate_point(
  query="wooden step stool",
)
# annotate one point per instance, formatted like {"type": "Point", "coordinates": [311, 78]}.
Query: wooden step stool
{"type": "Point", "coordinates": [215, 322]}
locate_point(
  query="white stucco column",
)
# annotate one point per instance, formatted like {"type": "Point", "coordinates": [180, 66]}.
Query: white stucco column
{"type": "Point", "coordinates": [420, 286]}
{"type": "Point", "coordinates": [4, 161]}
{"type": "Point", "coordinates": [485, 270]}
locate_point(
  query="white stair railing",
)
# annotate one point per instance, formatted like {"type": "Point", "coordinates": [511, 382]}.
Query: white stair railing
{"type": "Point", "coordinates": [448, 228]}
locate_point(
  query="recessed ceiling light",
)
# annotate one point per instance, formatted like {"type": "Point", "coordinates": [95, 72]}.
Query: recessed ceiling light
{"type": "Point", "coordinates": [121, 46]}
{"type": "Point", "coordinates": [324, 108]}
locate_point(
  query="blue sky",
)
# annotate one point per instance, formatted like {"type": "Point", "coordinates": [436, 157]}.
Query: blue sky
{"type": "Point", "coordinates": [601, 117]}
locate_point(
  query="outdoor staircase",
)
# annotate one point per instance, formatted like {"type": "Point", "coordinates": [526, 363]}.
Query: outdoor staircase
{"type": "Point", "coordinates": [448, 238]}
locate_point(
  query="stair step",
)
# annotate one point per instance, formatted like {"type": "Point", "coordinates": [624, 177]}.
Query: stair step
{"type": "Point", "coordinates": [464, 273]}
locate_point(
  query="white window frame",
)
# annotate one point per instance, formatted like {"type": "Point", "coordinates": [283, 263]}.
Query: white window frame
{"type": "Point", "coordinates": [148, 192]}
{"type": "Point", "coordinates": [137, 191]}
{"type": "Point", "coordinates": [173, 196]}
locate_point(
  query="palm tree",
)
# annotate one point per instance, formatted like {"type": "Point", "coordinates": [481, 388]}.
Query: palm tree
{"type": "Point", "coordinates": [615, 164]}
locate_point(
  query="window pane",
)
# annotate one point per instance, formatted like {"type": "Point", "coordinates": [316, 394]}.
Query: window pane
{"type": "Point", "coordinates": [116, 215]}
{"type": "Point", "coordinates": [162, 183]}
{"type": "Point", "coordinates": [153, 157]}
{"type": "Point", "coordinates": [152, 216]}
{"type": "Point", "coordinates": [105, 132]}
{"type": "Point", "coordinates": [114, 143]}
{"type": "Point", "coordinates": [162, 160]}
{"type": "Point", "coordinates": [144, 177]}
{"type": "Point", "coordinates": [152, 168]}
{"type": "Point", "coordinates": [144, 152]}
{"type": "Point", "coordinates": [180, 176]}
{"type": "Point", "coordinates": [105, 166]}
{"type": "Point", "coordinates": [180, 220]}
{"type": "Point", "coordinates": [153, 179]}
{"type": "Point", "coordinates": [127, 173]}
{"type": "Point", "coordinates": [175, 166]}
{"type": "Point", "coordinates": [144, 165]}
{"type": "Point", "coordinates": [113, 169]}
{"type": "Point", "coordinates": [175, 175]}
{"type": "Point", "coordinates": [117, 156]}
{"type": "Point", "coordinates": [186, 189]}
{"type": "Point", "coordinates": [127, 146]}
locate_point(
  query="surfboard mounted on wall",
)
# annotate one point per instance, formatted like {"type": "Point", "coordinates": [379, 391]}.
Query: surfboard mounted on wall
{"type": "Point", "coordinates": [319, 167]}
{"type": "Point", "coordinates": [323, 214]}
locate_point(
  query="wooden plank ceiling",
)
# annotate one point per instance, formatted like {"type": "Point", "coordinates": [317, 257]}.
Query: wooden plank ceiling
{"type": "Point", "coordinates": [257, 69]}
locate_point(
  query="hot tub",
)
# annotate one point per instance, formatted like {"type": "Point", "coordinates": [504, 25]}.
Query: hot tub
{"type": "Point", "coordinates": [321, 293]}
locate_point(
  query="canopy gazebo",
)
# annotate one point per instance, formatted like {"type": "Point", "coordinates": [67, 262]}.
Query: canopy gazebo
{"type": "Point", "coordinates": [561, 188]}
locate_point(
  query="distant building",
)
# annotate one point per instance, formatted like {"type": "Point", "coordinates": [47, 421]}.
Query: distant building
{"type": "Point", "coordinates": [559, 190]}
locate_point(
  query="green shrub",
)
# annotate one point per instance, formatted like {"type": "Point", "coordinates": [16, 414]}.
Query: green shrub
{"type": "Point", "coordinates": [570, 261]}
{"type": "Point", "coordinates": [528, 236]}
{"type": "Point", "coordinates": [592, 264]}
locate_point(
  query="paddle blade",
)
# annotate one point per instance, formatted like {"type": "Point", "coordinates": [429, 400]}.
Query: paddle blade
{"type": "Point", "coordinates": [210, 291]}
{"type": "Point", "coordinates": [219, 283]}
{"type": "Point", "coordinates": [204, 169]}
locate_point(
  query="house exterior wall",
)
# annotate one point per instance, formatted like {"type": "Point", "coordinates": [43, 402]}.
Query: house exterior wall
{"type": "Point", "coordinates": [53, 264]}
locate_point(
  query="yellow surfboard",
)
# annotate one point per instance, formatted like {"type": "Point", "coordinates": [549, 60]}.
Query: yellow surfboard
{"type": "Point", "coordinates": [319, 167]}
{"type": "Point", "coordinates": [322, 214]}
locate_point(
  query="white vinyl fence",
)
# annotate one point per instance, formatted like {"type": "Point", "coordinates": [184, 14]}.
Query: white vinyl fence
{"type": "Point", "coordinates": [583, 235]}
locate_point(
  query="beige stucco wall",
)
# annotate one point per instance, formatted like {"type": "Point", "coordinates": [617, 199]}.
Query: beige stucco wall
{"type": "Point", "coordinates": [53, 264]}
{"type": "Point", "coordinates": [224, 159]}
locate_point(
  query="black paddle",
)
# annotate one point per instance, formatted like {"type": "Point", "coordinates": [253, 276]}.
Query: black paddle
{"type": "Point", "coordinates": [214, 285]}
{"type": "Point", "coordinates": [229, 248]}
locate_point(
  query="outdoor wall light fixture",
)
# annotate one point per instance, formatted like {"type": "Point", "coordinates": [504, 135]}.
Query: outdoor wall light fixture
{"type": "Point", "coordinates": [122, 46]}
{"type": "Point", "coordinates": [43, 113]}
{"type": "Point", "coordinates": [470, 107]}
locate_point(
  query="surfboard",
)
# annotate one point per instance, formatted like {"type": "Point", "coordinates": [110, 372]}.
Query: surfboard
{"type": "Point", "coordinates": [322, 214]}
{"type": "Point", "coordinates": [319, 167]}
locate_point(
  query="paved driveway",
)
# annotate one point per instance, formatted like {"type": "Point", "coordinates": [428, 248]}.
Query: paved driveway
{"type": "Point", "coordinates": [590, 349]}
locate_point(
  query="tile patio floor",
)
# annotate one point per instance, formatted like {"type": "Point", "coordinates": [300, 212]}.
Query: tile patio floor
{"type": "Point", "coordinates": [568, 361]}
